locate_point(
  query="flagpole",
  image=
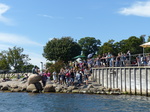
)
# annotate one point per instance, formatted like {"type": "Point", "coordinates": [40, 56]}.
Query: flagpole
{"type": "Point", "coordinates": [143, 42]}
{"type": "Point", "coordinates": [143, 51]}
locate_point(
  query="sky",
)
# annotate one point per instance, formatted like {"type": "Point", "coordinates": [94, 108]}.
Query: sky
{"type": "Point", "coordinates": [30, 24]}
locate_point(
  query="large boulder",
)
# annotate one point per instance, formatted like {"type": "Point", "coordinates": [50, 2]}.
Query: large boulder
{"type": "Point", "coordinates": [75, 91]}
{"type": "Point", "coordinates": [5, 88]}
{"type": "Point", "coordinates": [5, 85]}
{"type": "Point", "coordinates": [49, 88]}
{"type": "Point", "coordinates": [34, 78]}
{"type": "Point", "coordinates": [59, 88]}
{"type": "Point", "coordinates": [13, 85]}
{"type": "Point", "coordinates": [15, 90]}
{"type": "Point", "coordinates": [36, 86]}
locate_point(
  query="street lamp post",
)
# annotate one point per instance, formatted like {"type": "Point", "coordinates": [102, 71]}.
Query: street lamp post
{"type": "Point", "coordinates": [1, 71]}
{"type": "Point", "coordinates": [143, 42]}
{"type": "Point", "coordinates": [41, 67]}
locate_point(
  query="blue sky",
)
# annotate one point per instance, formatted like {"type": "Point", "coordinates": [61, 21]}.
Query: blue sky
{"type": "Point", "coordinates": [30, 24]}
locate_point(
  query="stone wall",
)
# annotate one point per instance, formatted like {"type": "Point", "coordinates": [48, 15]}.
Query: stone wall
{"type": "Point", "coordinates": [132, 80]}
{"type": "Point", "coordinates": [10, 75]}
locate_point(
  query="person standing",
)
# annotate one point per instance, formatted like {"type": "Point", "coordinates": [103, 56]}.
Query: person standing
{"type": "Point", "coordinates": [48, 76]}
{"type": "Point", "coordinates": [67, 78]}
{"type": "Point", "coordinates": [117, 61]}
{"type": "Point", "coordinates": [72, 75]}
{"type": "Point", "coordinates": [78, 76]}
{"type": "Point", "coordinates": [148, 60]}
{"type": "Point", "coordinates": [138, 60]}
{"type": "Point", "coordinates": [144, 60]}
{"type": "Point", "coordinates": [54, 76]}
{"type": "Point", "coordinates": [128, 57]}
{"type": "Point", "coordinates": [44, 79]}
{"type": "Point", "coordinates": [86, 75]}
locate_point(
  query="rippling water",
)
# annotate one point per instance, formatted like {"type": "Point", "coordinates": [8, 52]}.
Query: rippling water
{"type": "Point", "coordinates": [54, 102]}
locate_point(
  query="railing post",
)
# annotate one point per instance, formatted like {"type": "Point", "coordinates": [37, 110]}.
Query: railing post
{"type": "Point", "coordinates": [125, 88]}
{"type": "Point", "coordinates": [134, 81]}
{"type": "Point", "coordinates": [130, 79]}
{"type": "Point", "coordinates": [146, 81]}
{"type": "Point", "coordinates": [121, 77]}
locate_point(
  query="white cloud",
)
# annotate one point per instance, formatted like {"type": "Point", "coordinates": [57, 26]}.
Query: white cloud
{"type": "Point", "coordinates": [50, 17]}
{"type": "Point", "coordinates": [17, 39]}
{"type": "Point", "coordinates": [3, 9]}
{"type": "Point", "coordinates": [138, 9]}
{"type": "Point", "coordinates": [11, 40]}
{"type": "Point", "coordinates": [44, 15]}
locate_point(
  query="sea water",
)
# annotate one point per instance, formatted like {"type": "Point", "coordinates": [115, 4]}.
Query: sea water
{"type": "Point", "coordinates": [60, 102]}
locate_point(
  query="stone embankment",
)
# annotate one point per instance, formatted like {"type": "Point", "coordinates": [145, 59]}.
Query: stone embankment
{"type": "Point", "coordinates": [34, 84]}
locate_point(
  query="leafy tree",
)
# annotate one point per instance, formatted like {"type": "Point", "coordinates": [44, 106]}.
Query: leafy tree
{"type": "Point", "coordinates": [61, 49]}
{"type": "Point", "coordinates": [122, 46]}
{"type": "Point", "coordinates": [142, 38]}
{"type": "Point", "coordinates": [148, 40]}
{"type": "Point", "coordinates": [117, 47]}
{"type": "Point", "coordinates": [147, 50]}
{"type": "Point", "coordinates": [107, 47]}
{"type": "Point", "coordinates": [89, 45]}
{"type": "Point", "coordinates": [27, 68]}
{"type": "Point", "coordinates": [133, 44]}
{"type": "Point", "coordinates": [13, 58]}
{"type": "Point", "coordinates": [16, 58]}
{"type": "Point", "coordinates": [4, 65]}
{"type": "Point", "coordinates": [48, 64]}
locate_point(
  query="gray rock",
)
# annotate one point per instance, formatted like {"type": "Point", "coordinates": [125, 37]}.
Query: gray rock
{"type": "Point", "coordinates": [14, 79]}
{"type": "Point", "coordinates": [93, 90]}
{"type": "Point", "coordinates": [31, 87]}
{"type": "Point", "coordinates": [115, 93]}
{"type": "Point", "coordinates": [85, 90]}
{"type": "Point", "coordinates": [5, 88]}
{"type": "Point", "coordinates": [75, 91]}
{"type": "Point", "coordinates": [70, 88]}
{"type": "Point", "coordinates": [90, 86]}
{"type": "Point", "coordinates": [49, 88]}
{"type": "Point", "coordinates": [54, 85]}
{"type": "Point", "coordinates": [36, 86]}
{"type": "Point", "coordinates": [16, 90]}
{"type": "Point", "coordinates": [13, 85]}
{"type": "Point", "coordinates": [64, 91]}
{"type": "Point", "coordinates": [58, 88]}
{"type": "Point", "coordinates": [108, 90]}
{"type": "Point", "coordinates": [35, 91]}
{"type": "Point", "coordinates": [115, 89]}
{"type": "Point", "coordinates": [101, 88]}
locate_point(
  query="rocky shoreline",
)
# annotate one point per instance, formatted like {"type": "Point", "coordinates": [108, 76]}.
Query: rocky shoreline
{"type": "Point", "coordinates": [34, 85]}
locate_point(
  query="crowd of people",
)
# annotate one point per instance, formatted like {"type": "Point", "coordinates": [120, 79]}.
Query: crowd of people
{"type": "Point", "coordinates": [109, 60]}
{"type": "Point", "coordinates": [69, 75]}
{"type": "Point", "coordinates": [121, 60]}
{"type": "Point", "coordinates": [143, 60]}
{"type": "Point", "coordinates": [80, 70]}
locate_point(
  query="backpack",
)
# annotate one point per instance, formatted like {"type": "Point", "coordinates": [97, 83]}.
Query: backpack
{"type": "Point", "coordinates": [67, 74]}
